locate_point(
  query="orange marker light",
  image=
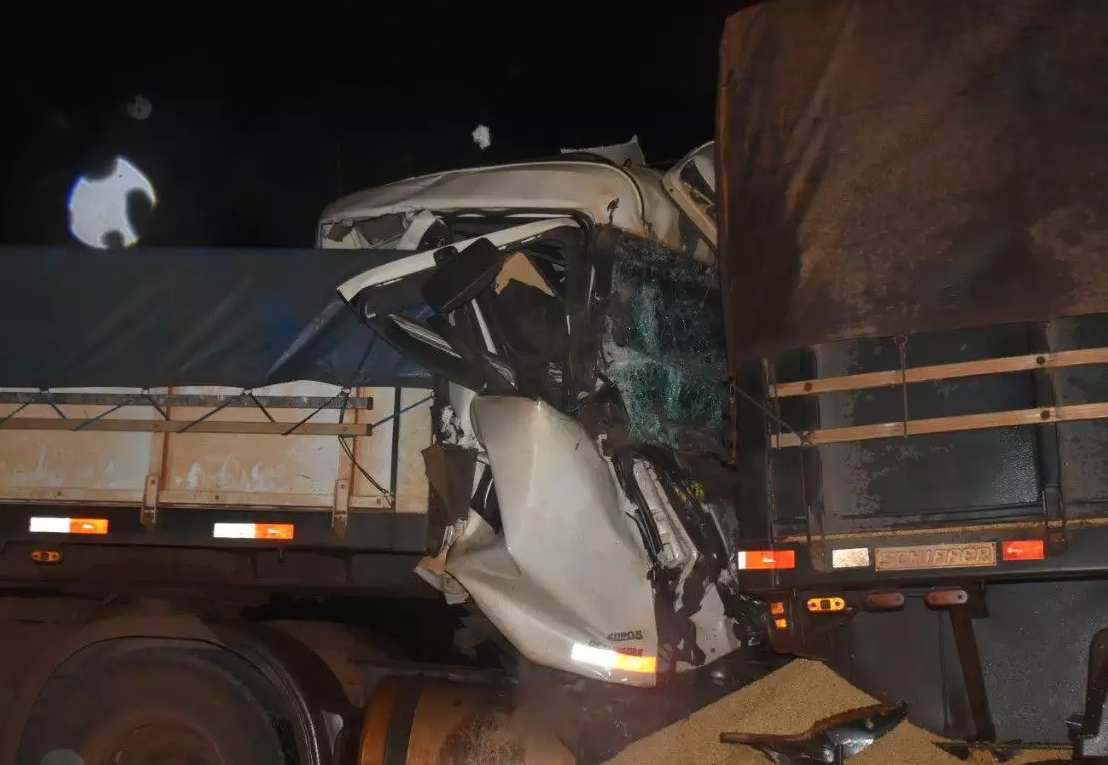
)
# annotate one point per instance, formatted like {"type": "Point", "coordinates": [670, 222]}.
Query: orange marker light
{"type": "Point", "coordinates": [636, 663]}
{"type": "Point", "coordinates": [777, 609]}
{"type": "Point", "coordinates": [274, 531]}
{"type": "Point", "coordinates": [47, 525]}
{"type": "Point", "coordinates": [1023, 549]}
{"type": "Point", "coordinates": [826, 605]}
{"type": "Point", "coordinates": [781, 624]}
{"type": "Point", "coordinates": [755, 560]}
{"type": "Point", "coordinates": [88, 525]}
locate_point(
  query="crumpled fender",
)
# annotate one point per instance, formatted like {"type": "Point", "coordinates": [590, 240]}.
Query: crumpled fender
{"type": "Point", "coordinates": [568, 573]}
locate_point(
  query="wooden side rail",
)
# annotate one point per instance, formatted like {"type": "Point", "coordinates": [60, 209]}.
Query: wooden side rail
{"type": "Point", "coordinates": [1068, 413]}
{"type": "Point", "coordinates": [865, 380]}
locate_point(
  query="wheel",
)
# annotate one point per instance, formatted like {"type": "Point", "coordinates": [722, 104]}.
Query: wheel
{"type": "Point", "coordinates": [149, 707]}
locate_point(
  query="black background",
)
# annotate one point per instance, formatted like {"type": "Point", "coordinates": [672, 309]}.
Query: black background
{"type": "Point", "coordinates": [261, 116]}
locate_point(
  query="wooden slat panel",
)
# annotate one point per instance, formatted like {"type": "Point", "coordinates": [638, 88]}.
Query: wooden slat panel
{"type": "Point", "coordinates": [167, 400]}
{"type": "Point", "coordinates": [1070, 413]}
{"type": "Point", "coordinates": [36, 464]}
{"type": "Point", "coordinates": [374, 453]}
{"type": "Point", "coordinates": [182, 498]}
{"type": "Point", "coordinates": [305, 467]}
{"type": "Point", "coordinates": [70, 494]}
{"type": "Point", "coordinates": [412, 491]}
{"type": "Point", "coordinates": [189, 426]}
{"type": "Point", "coordinates": [215, 464]}
{"type": "Point", "coordinates": [1030, 362]}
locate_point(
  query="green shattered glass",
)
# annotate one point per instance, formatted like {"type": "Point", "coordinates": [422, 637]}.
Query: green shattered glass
{"type": "Point", "coordinates": [670, 364]}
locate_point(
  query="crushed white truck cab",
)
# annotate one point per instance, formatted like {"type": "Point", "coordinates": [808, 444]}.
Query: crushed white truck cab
{"type": "Point", "coordinates": [570, 310]}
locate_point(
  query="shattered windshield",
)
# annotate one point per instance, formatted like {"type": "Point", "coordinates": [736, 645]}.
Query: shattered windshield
{"type": "Point", "coordinates": [665, 345]}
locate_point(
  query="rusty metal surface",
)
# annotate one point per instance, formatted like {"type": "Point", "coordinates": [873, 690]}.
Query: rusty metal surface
{"type": "Point", "coordinates": [456, 724]}
{"type": "Point", "coordinates": [890, 167]}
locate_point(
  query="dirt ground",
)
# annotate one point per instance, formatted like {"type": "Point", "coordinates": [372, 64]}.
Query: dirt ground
{"type": "Point", "coordinates": [788, 701]}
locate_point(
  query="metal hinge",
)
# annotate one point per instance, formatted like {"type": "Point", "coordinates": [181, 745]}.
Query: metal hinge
{"type": "Point", "coordinates": [340, 513]}
{"type": "Point", "coordinates": [150, 501]}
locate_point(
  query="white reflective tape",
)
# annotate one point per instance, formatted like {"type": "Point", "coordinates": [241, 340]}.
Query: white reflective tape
{"type": "Point", "coordinates": [233, 531]}
{"type": "Point", "coordinates": [598, 657]}
{"type": "Point", "coordinates": [41, 525]}
{"type": "Point", "coordinates": [851, 557]}
{"type": "Point", "coordinates": [609, 659]}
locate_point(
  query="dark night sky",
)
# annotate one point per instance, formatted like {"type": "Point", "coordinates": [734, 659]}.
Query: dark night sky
{"type": "Point", "coordinates": [260, 120]}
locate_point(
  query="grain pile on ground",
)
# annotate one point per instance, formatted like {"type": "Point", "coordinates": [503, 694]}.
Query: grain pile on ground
{"type": "Point", "coordinates": [788, 701]}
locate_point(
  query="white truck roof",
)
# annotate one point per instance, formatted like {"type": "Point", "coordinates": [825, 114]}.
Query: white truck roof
{"type": "Point", "coordinates": [631, 198]}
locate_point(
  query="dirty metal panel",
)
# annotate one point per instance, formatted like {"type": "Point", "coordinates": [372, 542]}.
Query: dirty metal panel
{"type": "Point", "coordinates": [963, 477]}
{"type": "Point", "coordinates": [919, 643]}
{"type": "Point", "coordinates": [1081, 445]}
{"type": "Point", "coordinates": [392, 455]}
{"type": "Point", "coordinates": [72, 467]}
{"type": "Point", "coordinates": [1036, 637]}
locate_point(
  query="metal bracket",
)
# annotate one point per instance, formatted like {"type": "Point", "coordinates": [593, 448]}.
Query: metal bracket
{"type": "Point", "coordinates": [831, 741]}
{"type": "Point", "coordinates": [1046, 436]}
{"type": "Point", "coordinates": [817, 548]}
{"type": "Point", "coordinates": [961, 622]}
{"type": "Point", "coordinates": [150, 501]}
{"type": "Point", "coordinates": [340, 513]}
{"type": "Point", "coordinates": [1055, 520]}
{"type": "Point", "coordinates": [1091, 736]}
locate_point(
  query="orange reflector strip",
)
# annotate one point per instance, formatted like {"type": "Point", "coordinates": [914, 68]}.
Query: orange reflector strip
{"type": "Point", "coordinates": [609, 659]}
{"type": "Point", "coordinates": [754, 560]}
{"type": "Point", "coordinates": [1023, 549]}
{"type": "Point", "coordinates": [826, 605]}
{"type": "Point", "coordinates": [42, 525]}
{"type": "Point", "coordinates": [274, 531]}
{"type": "Point", "coordinates": [636, 663]}
{"type": "Point", "coordinates": [88, 525]}
{"type": "Point", "coordinates": [254, 531]}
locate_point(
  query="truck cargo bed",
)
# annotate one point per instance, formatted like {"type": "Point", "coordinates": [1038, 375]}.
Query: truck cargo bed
{"type": "Point", "coordinates": [214, 479]}
{"type": "Point", "coordinates": [875, 451]}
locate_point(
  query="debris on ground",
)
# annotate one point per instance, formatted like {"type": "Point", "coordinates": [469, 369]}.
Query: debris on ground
{"type": "Point", "coordinates": [788, 701]}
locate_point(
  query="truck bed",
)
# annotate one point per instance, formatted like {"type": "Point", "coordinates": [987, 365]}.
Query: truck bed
{"type": "Point", "coordinates": [873, 452]}
{"type": "Point", "coordinates": [213, 485]}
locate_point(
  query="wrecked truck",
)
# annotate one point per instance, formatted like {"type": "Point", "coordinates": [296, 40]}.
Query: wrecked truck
{"type": "Point", "coordinates": [580, 406]}
{"type": "Point", "coordinates": [505, 382]}
{"type": "Point", "coordinates": [913, 212]}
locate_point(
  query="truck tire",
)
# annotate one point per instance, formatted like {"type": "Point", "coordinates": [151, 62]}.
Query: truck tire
{"type": "Point", "coordinates": [148, 706]}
